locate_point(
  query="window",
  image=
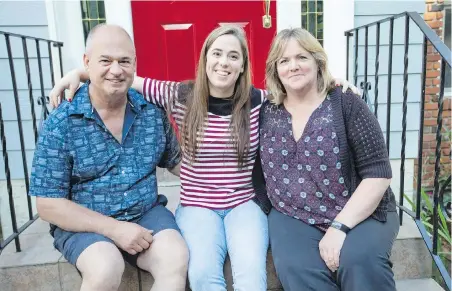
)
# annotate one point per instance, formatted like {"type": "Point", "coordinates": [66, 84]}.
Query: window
{"type": "Point", "coordinates": [312, 17]}
{"type": "Point", "coordinates": [447, 41]}
{"type": "Point", "coordinates": [93, 13]}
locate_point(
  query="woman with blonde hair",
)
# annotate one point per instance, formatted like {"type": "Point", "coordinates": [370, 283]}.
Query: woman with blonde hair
{"type": "Point", "coordinates": [327, 174]}
{"type": "Point", "coordinates": [217, 120]}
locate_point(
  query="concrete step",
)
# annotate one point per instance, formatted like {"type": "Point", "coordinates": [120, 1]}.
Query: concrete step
{"type": "Point", "coordinates": [418, 285]}
{"type": "Point", "coordinates": [40, 267]}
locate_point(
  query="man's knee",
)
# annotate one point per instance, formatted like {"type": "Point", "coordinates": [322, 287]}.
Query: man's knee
{"type": "Point", "coordinates": [168, 255]}
{"type": "Point", "coordinates": [102, 266]}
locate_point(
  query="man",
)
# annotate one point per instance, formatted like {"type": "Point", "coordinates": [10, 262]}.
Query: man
{"type": "Point", "coordinates": [94, 174]}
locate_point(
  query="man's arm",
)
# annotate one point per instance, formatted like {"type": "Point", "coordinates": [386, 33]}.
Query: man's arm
{"type": "Point", "coordinates": [73, 217]}
{"type": "Point", "coordinates": [50, 183]}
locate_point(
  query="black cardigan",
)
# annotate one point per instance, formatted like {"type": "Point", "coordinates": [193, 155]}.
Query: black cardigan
{"type": "Point", "coordinates": [362, 148]}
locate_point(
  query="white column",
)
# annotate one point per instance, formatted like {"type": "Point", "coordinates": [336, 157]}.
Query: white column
{"type": "Point", "coordinates": [338, 16]}
{"type": "Point", "coordinates": [65, 25]}
{"type": "Point", "coordinates": [120, 13]}
{"type": "Point", "coordinates": [288, 14]}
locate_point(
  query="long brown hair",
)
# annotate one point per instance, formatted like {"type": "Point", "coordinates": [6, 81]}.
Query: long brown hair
{"type": "Point", "coordinates": [198, 94]}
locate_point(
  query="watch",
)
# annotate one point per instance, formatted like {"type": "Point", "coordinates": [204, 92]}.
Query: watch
{"type": "Point", "coordinates": [342, 227]}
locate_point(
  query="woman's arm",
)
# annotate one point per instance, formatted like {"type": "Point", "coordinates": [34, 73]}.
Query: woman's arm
{"type": "Point", "coordinates": [367, 145]}
{"type": "Point", "coordinates": [372, 164]}
{"type": "Point", "coordinates": [364, 201]}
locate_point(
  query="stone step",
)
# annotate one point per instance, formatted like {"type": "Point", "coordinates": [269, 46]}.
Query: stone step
{"type": "Point", "coordinates": [40, 267]}
{"type": "Point", "coordinates": [64, 277]}
{"type": "Point", "coordinates": [418, 285]}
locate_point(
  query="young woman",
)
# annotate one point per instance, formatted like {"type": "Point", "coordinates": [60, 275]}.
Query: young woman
{"type": "Point", "coordinates": [327, 173]}
{"type": "Point", "coordinates": [217, 119]}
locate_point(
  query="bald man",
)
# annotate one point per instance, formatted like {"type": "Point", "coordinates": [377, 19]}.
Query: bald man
{"type": "Point", "coordinates": [94, 174]}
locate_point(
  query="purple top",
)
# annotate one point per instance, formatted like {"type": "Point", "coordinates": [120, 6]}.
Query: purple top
{"type": "Point", "coordinates": [304, 177]}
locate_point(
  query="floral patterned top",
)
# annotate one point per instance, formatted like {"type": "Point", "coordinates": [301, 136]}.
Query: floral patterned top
{"type": "Point", "coordinates": [304, 178]}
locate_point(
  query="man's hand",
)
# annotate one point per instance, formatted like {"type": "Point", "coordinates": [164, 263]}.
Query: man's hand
{"type": "Point", "coordinates": [131, 237]}
{"type": "Point", "coordinates": [330, 247]}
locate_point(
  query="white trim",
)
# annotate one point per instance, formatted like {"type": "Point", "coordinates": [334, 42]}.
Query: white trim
{"type": "Point", "coordinates": [288, 14]}
{"type": "Point", "coordinates": [241, 24]}
{"type": "Point", "coordinates": [120, 13]}
{"type": "Point", "coordinates": [338, 16]}
{"type": "Point", "coordinates": [65, 25]}
{"type": "Point", "coordinates": [176, 26]}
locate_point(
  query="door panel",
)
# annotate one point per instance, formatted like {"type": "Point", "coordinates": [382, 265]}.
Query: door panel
{"type": "Point", "coordinates": [169, 34]}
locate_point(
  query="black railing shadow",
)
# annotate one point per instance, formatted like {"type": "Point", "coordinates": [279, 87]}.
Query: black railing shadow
{"type": "Point", "coordinates": [429, 36]}
{"type": "Point", "coordinates": [42, 101]}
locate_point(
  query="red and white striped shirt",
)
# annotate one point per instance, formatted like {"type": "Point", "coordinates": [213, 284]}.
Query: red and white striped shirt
{"type": "Point", "coordinates": [213, 180]}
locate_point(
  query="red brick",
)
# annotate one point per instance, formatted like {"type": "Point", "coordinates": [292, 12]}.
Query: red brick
{"type": "Point", "coordinates": [428, 82]}
{"type": "Point", "coordinates": [429, 65]}
{"type": "Point", "coordinates": [432, 74]}
{"type": "Point", "coordinates": [431, 106]}
{"type": "Point", "coordinates": [446, 104]}
{"type": "Point", "coordinates": [435, 24]}
{"type": "Point", "coordinates": [428, 16]}
{"type": "Point", "coordinates": [428, 114]}
{"type": "Point", "coordinates": [429, 137]}
{"type": "Point", "coordinates": [436, 81]}
{"type": "Point", "coordinates": [435, 57]}
{"type": "Point", "coordinates": [429, 122]}
{"type": "Point", "coordinates": [428, 176]}
{"type": "Point", "coordinates": [436, 65]}
{"type": "Point", "coordinates": [427, 145]}
{"type": "Point", "coordinates": [432, 90]}
{"type": "Point", "coordinates": [446, 113]}
{"type": "Point", "coordinates": [439, 15]}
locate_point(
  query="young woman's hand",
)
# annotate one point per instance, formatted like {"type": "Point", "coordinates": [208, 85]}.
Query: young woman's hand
{"type": "Point", "coordinates": [71, 82]}
{"type": "Point", "coordinates": [347, 85]}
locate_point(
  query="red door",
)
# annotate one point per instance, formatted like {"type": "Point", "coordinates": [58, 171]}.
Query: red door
{"type": "Point", "coordinates": [169, 34]}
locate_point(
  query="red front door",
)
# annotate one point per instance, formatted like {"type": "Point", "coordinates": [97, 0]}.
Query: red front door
{"type": "Point", "coordinates": [169, 34]}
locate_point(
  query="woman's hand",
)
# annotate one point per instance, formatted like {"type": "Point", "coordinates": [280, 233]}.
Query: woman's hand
{"type": "Point", "coordinates": [70, 81]}
{"type": "Point", "coordinates": [330, 247]}
{"type": "Point", "coordinates": [347, 85]}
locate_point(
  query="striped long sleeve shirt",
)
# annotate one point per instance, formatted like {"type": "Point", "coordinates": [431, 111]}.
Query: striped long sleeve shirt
{"type": "Point", "coordinates": [213, 179]}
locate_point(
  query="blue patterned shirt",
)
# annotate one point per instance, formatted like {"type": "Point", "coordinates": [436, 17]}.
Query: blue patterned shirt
{"type": "Point", "coordinates": [79, 159]}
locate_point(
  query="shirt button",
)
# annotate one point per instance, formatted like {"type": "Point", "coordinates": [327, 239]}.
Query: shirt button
{"type": "Point", "coordinates": [123, 172]}
{"type": "Point", "coordinates": [125, 213]}
{"type": "Point", "coordinates": [125, 193]}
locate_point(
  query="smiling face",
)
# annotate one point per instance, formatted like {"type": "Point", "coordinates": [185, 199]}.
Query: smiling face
{"type": "Point", "coordinates": [297, 68]}
{"type": "Point", "coordinates": [110, 62]}
{"type": "Point", "coordinates": [224, 64]}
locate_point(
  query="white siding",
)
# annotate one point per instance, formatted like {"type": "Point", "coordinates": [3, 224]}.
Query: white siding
{"type": "Point", "coordinates": [371, 11]}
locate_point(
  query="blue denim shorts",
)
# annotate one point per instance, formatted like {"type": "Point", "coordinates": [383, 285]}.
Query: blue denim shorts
{"type": "Point", "coordinates": [72, 244]}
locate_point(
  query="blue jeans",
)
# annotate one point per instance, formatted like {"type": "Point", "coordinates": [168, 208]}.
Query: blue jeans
{"type": "Point", "coordinates": [241, 231]}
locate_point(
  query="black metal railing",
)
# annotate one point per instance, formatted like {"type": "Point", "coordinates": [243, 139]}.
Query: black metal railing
{"type": "Point", "coordinates": [42, 100]}
{"type": "Point", "coordinates": [429, 36]}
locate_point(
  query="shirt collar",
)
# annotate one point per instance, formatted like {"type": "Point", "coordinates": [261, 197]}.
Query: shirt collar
{"type": "Point", "coordinates": [81, 104]}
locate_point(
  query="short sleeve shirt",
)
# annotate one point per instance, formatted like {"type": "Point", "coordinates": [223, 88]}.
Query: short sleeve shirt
{"type": "Point", "coordinates": [79, 159]}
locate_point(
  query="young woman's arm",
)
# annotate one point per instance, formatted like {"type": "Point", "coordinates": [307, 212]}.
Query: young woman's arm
{"type": "Point", "coordinates": [154, 91]}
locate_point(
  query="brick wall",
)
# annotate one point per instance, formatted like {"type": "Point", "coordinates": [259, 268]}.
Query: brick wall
{"type": "Point", "coordinates": [434, 15]}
